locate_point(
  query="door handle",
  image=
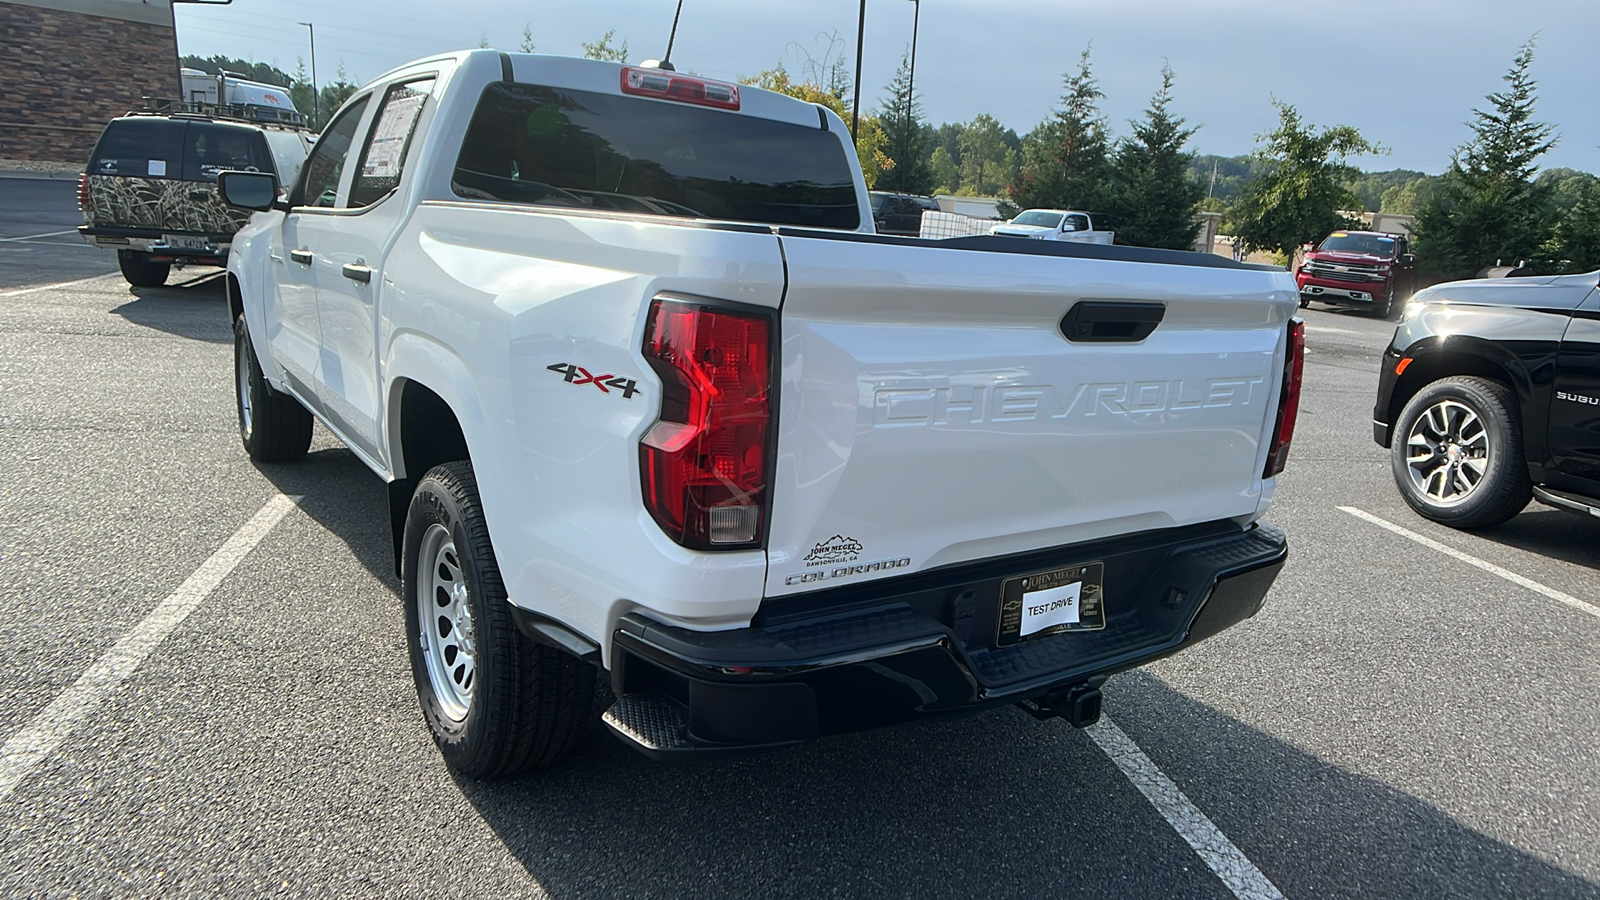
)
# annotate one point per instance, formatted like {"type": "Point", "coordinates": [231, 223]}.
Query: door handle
{"type": "Point", "coordinates": [362, 274]}
{"type": "Point", "coordinates": [303, 257]}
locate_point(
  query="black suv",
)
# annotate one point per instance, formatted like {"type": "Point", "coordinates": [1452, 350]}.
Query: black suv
{"type": "Point", "coordinates": [900, 213]}
{"type": "Point", "coordinates": [1490, 394]}
{"type": "Point", "coordinates": [150, 189]}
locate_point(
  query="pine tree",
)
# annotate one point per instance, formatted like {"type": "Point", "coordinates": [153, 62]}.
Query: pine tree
{"type": "Point", "coordinates": [1488, 206]}
{"type": "Point", "coordinates": [1065, 158]}
{"type": "Point", "coordinates": [901, 118]}
{"type": "Point", "coordinates": [1156, 194]}
{"type": "Point", "coordinates": [1305, 183]}
{"type": "Point", "coordinates": [1575, 246]}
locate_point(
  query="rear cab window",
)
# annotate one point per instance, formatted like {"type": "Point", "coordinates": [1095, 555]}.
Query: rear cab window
{"type": "Point", "coordinates": [155, 147]}
{"type": "Point", "coordinates": [140, 147]}
{"type": "Point", "coordinates": [546, 146]}
{"type": "Point", "coordinates": [211, 147]}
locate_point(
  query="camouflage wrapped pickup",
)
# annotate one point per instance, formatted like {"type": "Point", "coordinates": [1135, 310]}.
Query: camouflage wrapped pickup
{"type": "Point", "coordinates": [150, 189]}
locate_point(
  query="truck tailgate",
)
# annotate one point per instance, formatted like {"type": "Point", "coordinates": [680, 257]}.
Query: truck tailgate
{"type": "Point", "coordinates": [932, 411]}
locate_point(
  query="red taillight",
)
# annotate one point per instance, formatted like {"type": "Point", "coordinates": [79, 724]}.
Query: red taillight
{"type": "Point", "coordinates": [1288, 399]}
{"type": "Point", "coordinates": [83, 193]}
{"type": "Point", "coordinates": [666, 85]}
{"type": "Point", "coordinates": [704, 464]}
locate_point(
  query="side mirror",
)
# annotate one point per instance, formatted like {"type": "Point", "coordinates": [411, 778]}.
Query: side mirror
{"type": "Point", "coordinates": [248, 190]}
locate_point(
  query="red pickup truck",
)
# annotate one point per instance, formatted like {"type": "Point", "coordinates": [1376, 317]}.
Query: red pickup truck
{"type": "Point", "coordinates": [1367, 269]}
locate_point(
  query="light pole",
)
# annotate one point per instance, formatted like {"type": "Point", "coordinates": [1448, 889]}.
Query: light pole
{"type": "Point", "coordinates": [316, 101]}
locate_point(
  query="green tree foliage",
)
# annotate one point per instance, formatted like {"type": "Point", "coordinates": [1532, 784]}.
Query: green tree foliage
{"type": "Point", "coordinates": [1488, 205]}
{"type": "Point", "coordinates": [1156, 196]}
{"type": "Point", "coordinates": [946, 177]}
{"type": "Point", "coordinates": [1231, 174]}
{"type": "Point", "coordinates": [255, 71]}
{"type": "Point", "coordinates": [1371, 186]}
{"type": "Point", "coordinates": [988, 162]}
{"type": "Point", "coordinates": [901, 119]}
{"type": "Point", "coordinates": [1568, 186]}
{"type": "Point", "coordinates": [1065, 159]}
{"type": "Point", "coordinates": [1305, 182]}
{"type": "Point", "coordinates": [1408, 198]}
{"type": "Point", "coordinates": [604, 50]}
{"type": "Point", "coordinates": [527, 38]}
{"type": "Point", "coordinates": [1575, 244]}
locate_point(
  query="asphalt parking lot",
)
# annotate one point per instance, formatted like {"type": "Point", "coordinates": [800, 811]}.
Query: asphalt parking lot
{"type": "Point", "coordinates": [1403, 719]}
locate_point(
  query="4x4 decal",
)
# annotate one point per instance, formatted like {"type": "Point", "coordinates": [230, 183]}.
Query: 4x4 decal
{"type": "Point", "coordinates": [580, 375]}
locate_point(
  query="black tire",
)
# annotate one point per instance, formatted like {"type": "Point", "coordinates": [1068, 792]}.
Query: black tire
{"type": "Point", "coordinates": [526, 705]}
{"type": "Point", "coordinates": [141, 269]}
{"type": "Point", "coordinates": [1421, 459]}
{"type": "Point", "coordinates": [274, 427]}
{"type": "Point", "coordinates": [1392, 304]}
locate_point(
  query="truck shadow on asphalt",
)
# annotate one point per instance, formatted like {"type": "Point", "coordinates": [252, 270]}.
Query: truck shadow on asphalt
{"type": "Point", "coordinates": [991, 805]}
{"type": "Point", "coordinates": [342, 495]}
{"type": "Point", "coordinates": [195, 307]}
{"type": "Point", "coordinates": [1555, 533]}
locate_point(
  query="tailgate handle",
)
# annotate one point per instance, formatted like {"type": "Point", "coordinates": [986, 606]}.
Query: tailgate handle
{"type": "Point", "coordinates": [1107, 321]}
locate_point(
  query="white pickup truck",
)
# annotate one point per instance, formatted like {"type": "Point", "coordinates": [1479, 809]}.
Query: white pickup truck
{"type": "Point", "coordinates": [652, 399]}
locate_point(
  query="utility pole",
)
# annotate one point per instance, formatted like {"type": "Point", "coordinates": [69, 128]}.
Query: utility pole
{"type": "Point", "coordinates": [316, 99]}
{"type": "Point", "coordinates": [1212, 191]}
{"type": "Point", "coordinates": [855, 105]}
{"type": "Point", "coordinates": [911, 83]}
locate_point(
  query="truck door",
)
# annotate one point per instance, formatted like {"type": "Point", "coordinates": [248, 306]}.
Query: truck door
{"type": "Point", "coordinates": [349, 250]}
{"type": "Point", "coordinates": [293, 330]}
{"type": "Point", "coordinates": [1574, 430]}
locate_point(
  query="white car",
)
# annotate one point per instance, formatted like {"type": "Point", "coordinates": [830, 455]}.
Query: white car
{"type": "Point", "coordinates": [1058, 225]}
{"type": "Point", "coordinates": [774, 476]}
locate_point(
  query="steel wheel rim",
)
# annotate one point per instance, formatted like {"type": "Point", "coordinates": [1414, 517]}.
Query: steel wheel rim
{"type": "Point", "coordinates": [241, 370]}
{"type": "Point", "coordinates": [1447, 452]}
{"type": "Point", "coordinates": [444, 614]}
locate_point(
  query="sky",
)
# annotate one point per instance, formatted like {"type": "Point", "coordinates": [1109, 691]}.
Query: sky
{"type": "Point", "coordinates": [1407, 74]}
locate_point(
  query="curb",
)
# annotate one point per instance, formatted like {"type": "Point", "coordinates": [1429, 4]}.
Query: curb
{"type": "Point", "coordinates": [35, 175]}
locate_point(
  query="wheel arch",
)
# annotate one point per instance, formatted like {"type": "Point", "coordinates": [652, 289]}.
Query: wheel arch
{"type": "Point", "coordinates": [1446, 356]}
{"type": "Point", "coordinates": [433, 417]}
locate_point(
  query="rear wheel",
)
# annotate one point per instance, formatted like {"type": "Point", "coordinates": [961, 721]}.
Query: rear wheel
{"type": "Point", "coordinates": [1457, 455]}
{"type": "Point", "coordinates": [141, 269]}
{"type": "Point", "coordinates": [274, 427]}
{"type": "Point", "coordinates": [496, 702]}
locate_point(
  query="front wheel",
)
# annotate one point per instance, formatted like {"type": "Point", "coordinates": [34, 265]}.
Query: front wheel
{"type": "Point", "coordinates": [1392, 304]}
{"type": "Point", "coordinates": [496, 702]}
{"type": "Point", "coordinates": [1457, 456]}
{"type": "Point", "coordinates": [274, 427]}
{"type": "Point", "coordinates": [141, 269]}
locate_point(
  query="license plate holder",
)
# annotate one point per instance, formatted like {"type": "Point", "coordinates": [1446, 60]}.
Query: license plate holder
{"type": "Point", "coordinates": [185, 242]}
{"type": "Point", "coordinates": [1052, 601]}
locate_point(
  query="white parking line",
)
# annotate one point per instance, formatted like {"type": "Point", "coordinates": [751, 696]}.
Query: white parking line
{"type": "Point", "coordinates": [1471, 560]}
{"type": "Point", "coordinates": [29, 237]}
{"type": "Point", "coordinates": [55, 723]}
{"type": "Point", "coordinates": [50, 287]}
{"type": "Point", "coordinates": [1197, 830]}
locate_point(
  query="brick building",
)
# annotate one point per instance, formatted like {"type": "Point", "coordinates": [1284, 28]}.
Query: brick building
{"type": "Point", "coordinates": [69, 66]}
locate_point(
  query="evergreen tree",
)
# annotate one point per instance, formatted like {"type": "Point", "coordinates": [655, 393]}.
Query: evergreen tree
{"type": "Point", "coordinates": [1305, 183]}
{"type": "Point", "coordinates": [1488, 205]}
{"type": "Point", "coordinates": [901, 118]}
{"type": "Point", "coordinates": [946, 177]}
{"type": "Point", "coordinates": [1156, 194]}
{"type": "Point", "coordinates": [1575, 246]}
{"type": "Point", "coordinates": [1065, 159]}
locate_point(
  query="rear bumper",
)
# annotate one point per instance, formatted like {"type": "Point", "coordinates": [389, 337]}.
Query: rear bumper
{"type": "Point", "coordinates": [923, 646]}
{"type": "Point", "coordinates": [148, 240]}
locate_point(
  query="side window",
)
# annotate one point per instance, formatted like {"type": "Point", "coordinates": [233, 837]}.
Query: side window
{"type": "Point", "coordinates": [383, 159]}
{"type": "Point", "coordinates": [1076, 223]}
{"type": "Point", "coordinates": [210, 148]}
{"type": "Point", "coordinates": [320, 186]}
